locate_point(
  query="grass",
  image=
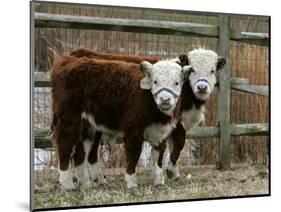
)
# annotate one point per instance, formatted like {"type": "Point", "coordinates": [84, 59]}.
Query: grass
{"type": "Point", "coordinates": [204, 183]}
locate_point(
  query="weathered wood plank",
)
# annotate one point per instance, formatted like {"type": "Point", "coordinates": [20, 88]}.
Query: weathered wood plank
{"type": "Point", "coordinates": [42, 132]}
{"type": "Point", "coordinates": [255, 129]}
{"type": "Point", "coordinates": [42, 79]}
{"type": "Point", "coordinates": [42, 140]}
{"type": "Point", "coordinates": [239, 81]}
{"type": "Point", "coordinates": [129, 25]}
{"type": "Point", "coordinates": [224, 96]}
{"type": "Point", "coordinates": [202, 132]}
{"type": "Point", "coordinates": [45, 20]}
{"type": "Point", "coordinates": [235, 81]}
{"type": "Point", "coordinates": [252, 89]}
{"type": "Point", "coordinates": [249, 129]}
{"type": "Point", "coordinates": [257, 38]}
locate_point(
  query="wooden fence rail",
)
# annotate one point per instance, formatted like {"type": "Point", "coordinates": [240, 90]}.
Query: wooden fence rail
{"type": "Point", "coordinates": [45, 20]}
{"type": "Point", "coordinates": [42, 79]}
{"type": "Point", "coordinates": [253, 89]}
{"type": "Point", "coordinates": [43, 140]}
{"type": "Point", "coordinates": [224, 34]}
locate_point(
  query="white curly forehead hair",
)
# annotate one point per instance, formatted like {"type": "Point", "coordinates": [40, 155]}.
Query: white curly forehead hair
{"type": "Point", "coordinates": [203, 59]}
{"type": "Point", "coordinates": [204, 65]}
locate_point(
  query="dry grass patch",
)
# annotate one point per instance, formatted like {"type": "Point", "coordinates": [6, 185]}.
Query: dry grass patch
{"type": "Point", "coordinates": [204, 183]}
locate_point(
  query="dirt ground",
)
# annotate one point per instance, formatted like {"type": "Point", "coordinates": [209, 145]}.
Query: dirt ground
{"type": "Point", "coordinates": [204, 183]}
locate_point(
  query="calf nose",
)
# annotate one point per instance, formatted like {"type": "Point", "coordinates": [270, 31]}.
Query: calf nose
{"type": "Point", "coordinates": [165, 100]}
{"type": "Point", "coordinates": [202, 87]}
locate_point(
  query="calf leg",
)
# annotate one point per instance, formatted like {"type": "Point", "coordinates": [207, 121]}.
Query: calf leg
{"type": "Point", "coordinates": [66, 136]}
{"type": "Point", "coordinates": [94, 166]}
{"type": "Point", "coordinates": [176, 144]}
{"type": "Point", "coordinates": [133, 145]}
{"type": "Point", "coordinates": [157, 158]}
{"type": "Point", "coordinates": [81, 163]}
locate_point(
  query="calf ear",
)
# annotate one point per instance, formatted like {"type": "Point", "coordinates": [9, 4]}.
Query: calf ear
{"type": "Point", "coordinates": [183, 60]}
{"type": "Point", "coordinates": [221, 63]}
{"type": "Point", "coordinates": [146, 68]}
{"type": "Point", "coordinates": [186, 71]}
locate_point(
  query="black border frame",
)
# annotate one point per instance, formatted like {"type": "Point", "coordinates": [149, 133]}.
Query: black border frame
{"type": "Point", "coordinates": [31, 144]}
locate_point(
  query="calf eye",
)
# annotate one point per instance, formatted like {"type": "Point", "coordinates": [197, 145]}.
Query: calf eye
{"type": "Point", "coordinates": [155, 82]}
{"type": "Point", "coordinates": [212, 71]}
{"type": "Point", "coordinates": [177, 83]}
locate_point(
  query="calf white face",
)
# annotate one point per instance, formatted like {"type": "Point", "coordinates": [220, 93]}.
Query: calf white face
{"type": "Point", "coordinates": [165, 80]}
{"type": "Point", "coordinates": [204, 65]}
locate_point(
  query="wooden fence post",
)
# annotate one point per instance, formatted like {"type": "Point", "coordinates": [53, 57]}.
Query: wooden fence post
{"type": "Point", "coordinates": [224, 96]}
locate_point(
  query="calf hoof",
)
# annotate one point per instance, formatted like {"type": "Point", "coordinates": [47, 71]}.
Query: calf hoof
{"type": "Point", "coordinates": [131, 181]}
{"type": "Point", "coordinates": [85, 185]}
{"type": "Point", "coordinates": [66, 180]}
{"type": "Point", "coordinates": [67, 187]}
{"type": "Point", "coordinates": [158, 176]}
{"type": "Point", "coordinates": [101, 180]}
{"type": "Point", "coordinates": [132, 186]}
{"type": "Point", "coordinates": [173, 171]}
{"type": "Point", "coordinates": [159, 182]}
{"type": "Point", "coordinates": [96, 173]}
{"type": "Point", "coordinates": [176, 178]}
{"type": "Point", "coordinates": [169, 173]}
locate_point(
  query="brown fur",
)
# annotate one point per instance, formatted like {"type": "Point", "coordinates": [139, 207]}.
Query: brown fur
{"type": "Point", "coordinates": [83, 52]}
{"type": "Point", "coordinates": [110, 90]}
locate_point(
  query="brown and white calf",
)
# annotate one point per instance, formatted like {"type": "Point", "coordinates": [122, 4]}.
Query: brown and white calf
{"type": "Point", "coordinates": [195, 92]}
{"type": "Point", "coordinates": [138, 101]}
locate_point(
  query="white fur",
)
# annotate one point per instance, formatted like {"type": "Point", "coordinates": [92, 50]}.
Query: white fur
{"type": "Point", "coordinates": [131, 180]}
{"type": "Point", "coordinates": [65, 178]}
{"type": "Point", "coordinates": [82, 175]}
{"type": "Point", "coordinates": [158, 176]}
{"type": "Point", "coordinates": [163, 74]}
{"type": "Point", "coordinates": [157, 172]}
{"type": "Point", "coordinates": [154, 156]}
{"type": "Point", "coordinates": [174, 169]}
{"type": "Point", "coordinates": [203, 62]}
{"type": "Point", "coordinates": [96, 172]}
{"type": "Point", "coordinates": [97, 127]}
{"type": "Point", "coordinates": [87, 144]}
{"type": "Point", "coordinates": [193, 117]}
{"type": "Point", "coordinates": [82, 172]}
{"type": "Point", "coordinates": [155, 133]}
{"type": "Point", "coordinates": [203, 59]}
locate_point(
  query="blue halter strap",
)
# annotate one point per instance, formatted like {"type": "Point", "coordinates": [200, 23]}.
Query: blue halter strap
{"type": "Point", "coordinates": [168, 90]}
{"type": "Point", "coordinates": [202, 80]}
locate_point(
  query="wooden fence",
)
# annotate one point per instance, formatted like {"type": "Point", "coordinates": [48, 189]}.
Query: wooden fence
{"type": "Point", "coordinates": [223, 32]}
